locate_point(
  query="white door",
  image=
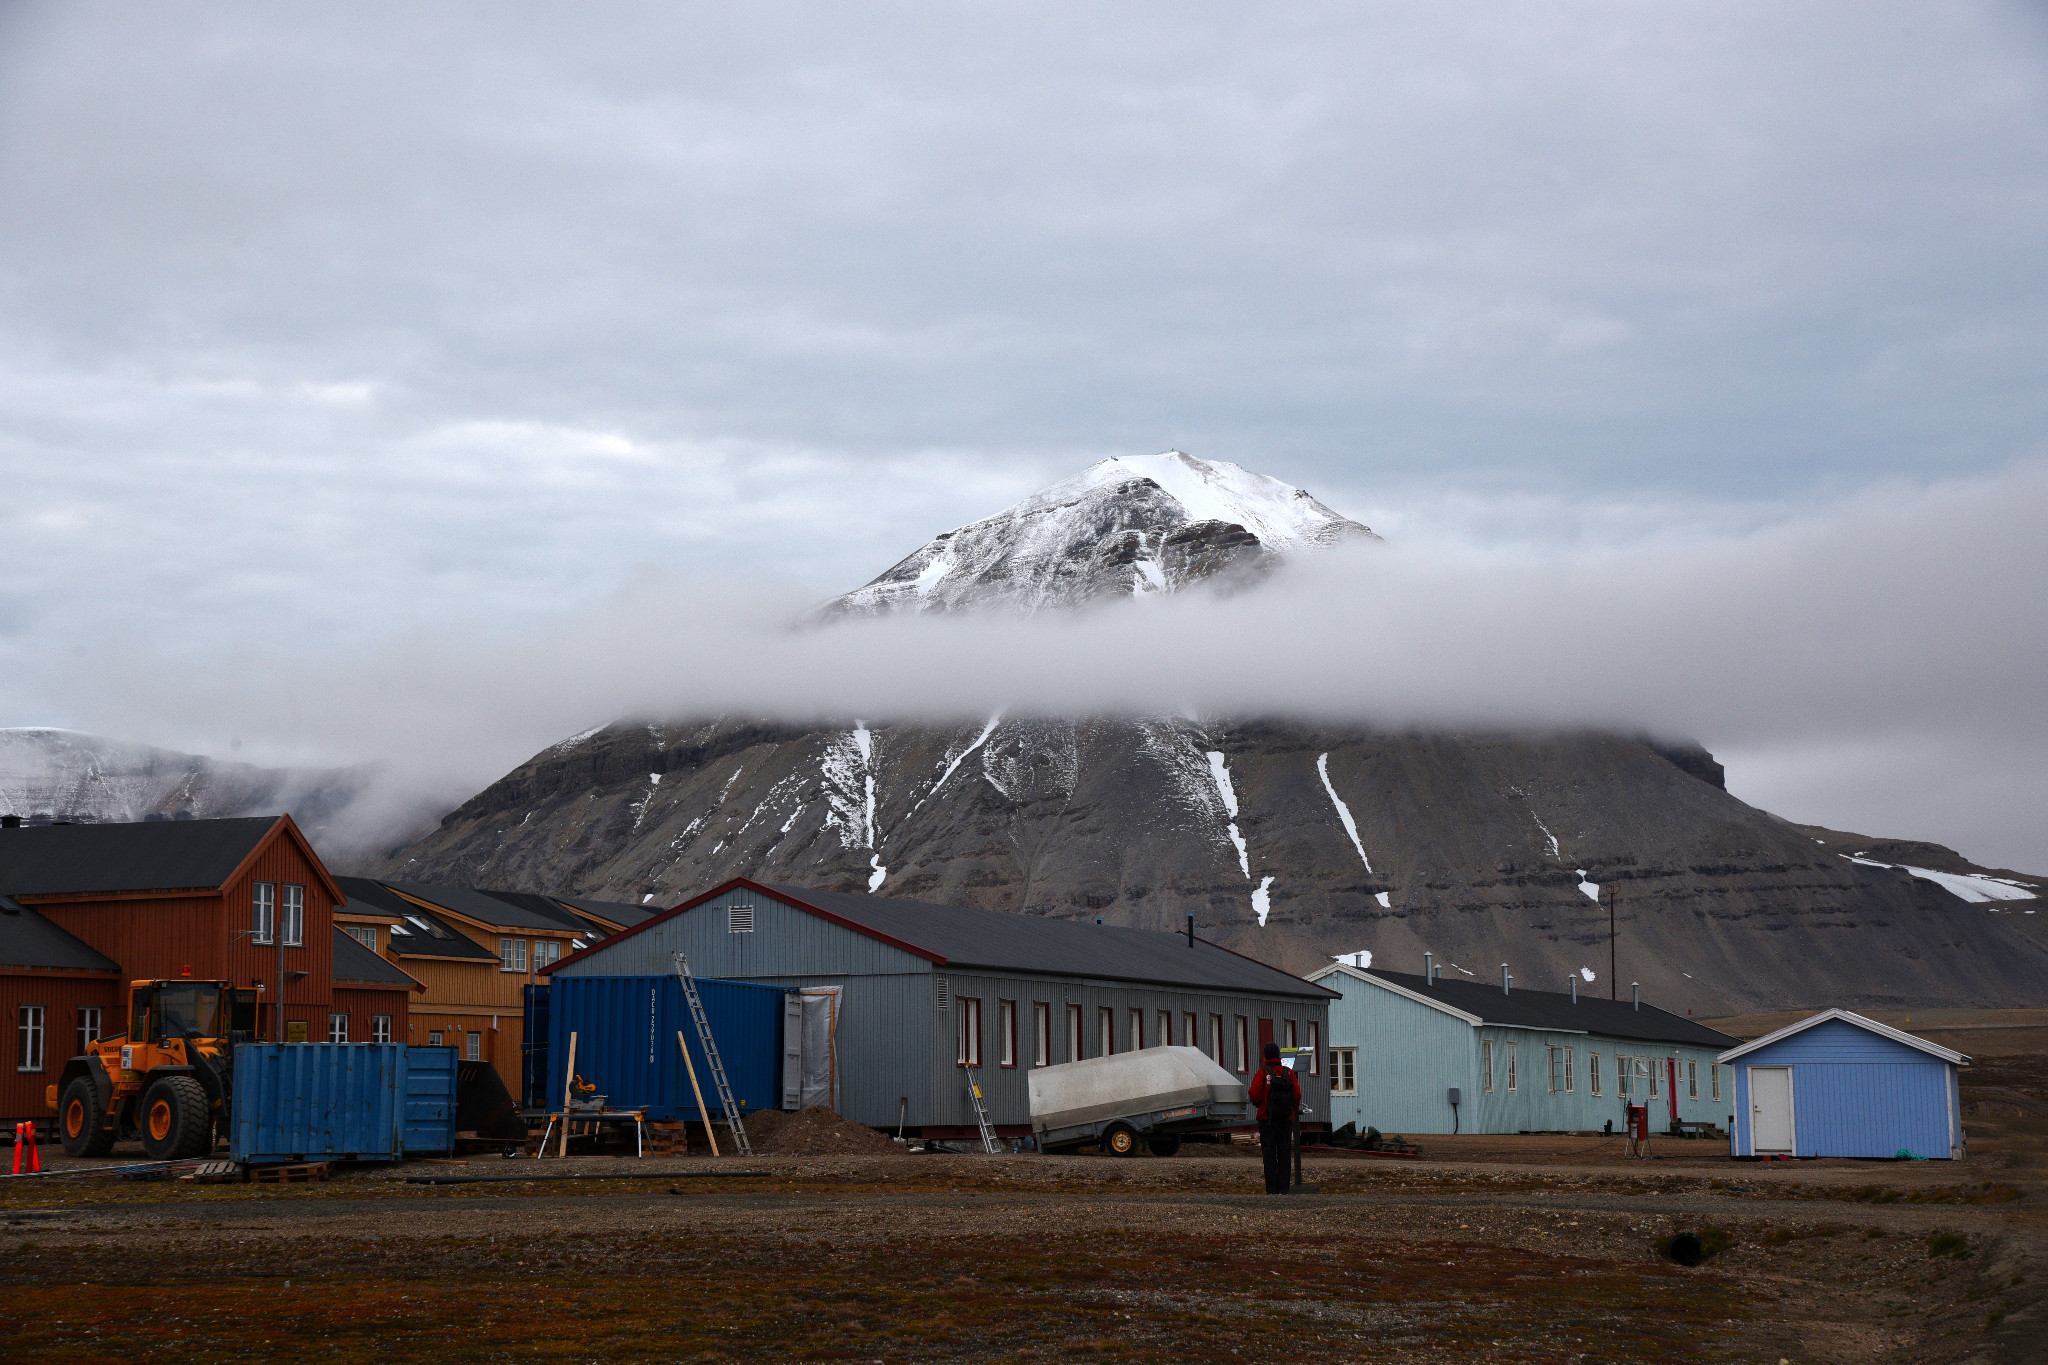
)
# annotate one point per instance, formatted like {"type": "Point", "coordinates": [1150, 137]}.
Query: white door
{"type": "Point", "coordinates": [1770, 1109]}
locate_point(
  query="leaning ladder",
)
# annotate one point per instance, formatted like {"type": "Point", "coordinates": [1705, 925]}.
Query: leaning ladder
{"type": "Point", "coordinates": [988, 1134]}
{"type": "Point", "coordinates": [718, 1081]}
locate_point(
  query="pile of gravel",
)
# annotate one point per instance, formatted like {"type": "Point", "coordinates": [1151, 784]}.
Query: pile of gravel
{"type": "Point", "coordinates": [812, 1132]}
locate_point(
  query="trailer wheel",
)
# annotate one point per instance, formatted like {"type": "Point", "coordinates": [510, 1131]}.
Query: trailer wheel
{"type": "Point", "coordinates": [1120, 1139]}
{"type": "Point", "coordinates": [1163, 1144]}
{"type": "Point", "coordinates": [81, 1125]}
{"type": "Point", "coordinates": [175, 1119]}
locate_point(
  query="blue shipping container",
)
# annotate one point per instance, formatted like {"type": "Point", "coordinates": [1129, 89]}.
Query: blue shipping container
{"type": "Point", "coordinates": [342, 1101]}
{"type": "Point", "coordinates": [626, 1028]}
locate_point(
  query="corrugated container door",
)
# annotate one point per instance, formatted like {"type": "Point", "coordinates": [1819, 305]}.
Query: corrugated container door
{"type": "Point", "coordinates": [533, 1048]}
{"type": "Point", "coordinates": [430, 1076]}
{"type": "Point", "coordinates": [792, 1051]}
{"type": "Point", "coordinates": [316, 1101]}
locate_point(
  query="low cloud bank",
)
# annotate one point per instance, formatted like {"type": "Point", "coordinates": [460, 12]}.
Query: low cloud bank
{"type": "Point", "coordinates": [1900, 631]}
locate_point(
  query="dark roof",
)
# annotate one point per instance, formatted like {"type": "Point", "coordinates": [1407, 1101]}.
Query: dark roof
{"type": "Point", "coordinates": [354, 963]}
{"type": "Point", "coordinates": [486, 908]}
{"type": "Point", "coordinates": [546, 906]}
{"type": "Point", "coordinates": [424, 935]}
{"type": "Point", "coordinates": [161, 855]}
{"type": "Point", "coordinates": [624, 915]}
{"type": "Point", "coordinates": [962, 937]}
{"type": "Point", "coordinates": [1555, 1010]}
{"type": "Point", "coordinates": [29, 940]}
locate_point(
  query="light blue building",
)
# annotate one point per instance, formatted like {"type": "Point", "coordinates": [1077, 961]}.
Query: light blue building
{"type": "Point", "coordinates": [1517, 1061]}
{"type": "Point", "coordinates": [1838, 1084]}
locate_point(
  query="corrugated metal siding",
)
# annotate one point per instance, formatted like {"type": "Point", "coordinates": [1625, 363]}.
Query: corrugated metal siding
{"type": "Point", "coordinates": [23, 1093]}
{"type": "Point", "coordinates": [326, 1101]}
{"type": "Point", "coordinates": [626, 1042]}
{"type": "Point", "coordinates": [155, 936]}
{"type": "Point", "coordinates": [783, 942]}
{"type": "Point", "coordinates": [1858, 1094]}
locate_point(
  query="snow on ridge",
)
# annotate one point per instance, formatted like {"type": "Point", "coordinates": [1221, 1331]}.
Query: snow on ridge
{"type": "Point", "coordinates": [1592, 889]}
{"type": "Point", "coordinates": [1343, 811]}
{"type": "Point", "coordinates": [1262, 903]}
{"type": "Point", "coordinates": [1219, 772]}
{"type": "Point", "coordinates": [1283, 517]}
{"type": "Point", "coordinates": [1962, 885]}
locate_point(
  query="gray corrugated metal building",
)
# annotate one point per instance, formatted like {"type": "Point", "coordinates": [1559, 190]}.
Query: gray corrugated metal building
{"type": "Point", "coordinates": [932, 993]}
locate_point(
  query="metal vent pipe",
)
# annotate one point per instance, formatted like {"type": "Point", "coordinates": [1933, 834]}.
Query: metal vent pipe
{"type": "Point", "coordinates": [1428, 967]}
{"type": "Point", "coordinates": [1635, 991]}
{"type": "Point", "coordinates": [1506, 981]}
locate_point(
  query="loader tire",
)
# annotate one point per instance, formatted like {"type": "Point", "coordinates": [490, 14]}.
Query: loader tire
{"type": "Point", "coordinates": [81, 1126]}
{"type": "Point", "coordinates": [175, 1119]}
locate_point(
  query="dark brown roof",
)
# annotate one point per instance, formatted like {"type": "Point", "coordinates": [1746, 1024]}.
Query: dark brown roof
{"type": "Point", "coordinates": [1557, 1011]}
{"type": "Point", "coordinates": [163, 855]}
{"type": "Point", "coordinates": [420, 933]}
{"type": "Point", "coordinates": [355, 964]}
{"type": "Point", "coordinates": [29, 940]}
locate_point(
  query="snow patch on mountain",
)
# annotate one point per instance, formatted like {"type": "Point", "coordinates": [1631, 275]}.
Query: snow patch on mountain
{"type": "Point", "coordinates": [1343, 811]}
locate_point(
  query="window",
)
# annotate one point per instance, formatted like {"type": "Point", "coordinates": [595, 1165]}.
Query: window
{"type": "Point", "coordinates": [1567, 1071]}
{"type": "Point", "coordinates": [1191, 1029]}
{"type": "Point", "coordinates": [1653, 1065]}
{"type": "Point", "coordinates": [1592, 1073]}
{"type": "Point", "coordinates": [88, 1026]}
{"type": "Point", "coordinates": [1244, 1043]}
{"type": "Point", "coordinates": [380, 1028]}
{"type": "Point", "coordinates": [264, 897]}
{"type": "Point", "coordinates": [1511, 1068]}
{"type": "Point", "coordinates": [365, 934]}
{"type": "Point", "coordinates": [1105, 1028]}
{"type": "Point", "coordinates": [29, 1051]}
{"type": "Point", "coordinates": [294, 920]}
{"type": "Point", "coordinates": [511, 954]}
{"type": "Point", "coordinates": [1216, 1039]}
{"type": "Point", "coordinates": [1621, 1076]}
{"type": "Point", "coordinates": [473, 1048]}
{"type": "Point", "coordinates": [1560, 1070]}
{"type": "Point", "coordinates": [433, 1037]}
{"type": "Point", "coordinates": [1315, 1048]}
{"type": "Point", "coordinates": [337, 1028]}
{"type": "Point", "coordinates": [1343, 1071]}
{"type": "Point", "coordinates": [1041, 1033]}
{"type": "Point", "coordinates": [1165, 1038]}
{"type": "Point", "coordinates": [546, 952]}
{"type": "Point", "coordinates": [968, 1035]}
{"type": "Point", "coordinates": [1287, 1034]}
{"type": "Point", "coordinates": [1137, 1029]}
{"type": "Point", "coordinates": [1073, 1033]}
{"type": "Point", "coordinates": [1486, 1064]}
{"type": "Point", "coordinates": [1006, 1032]}
{"type": "Point", "coordinates": [739, 919]}
{"type": "Point", "coordinates": [1692, 1080]}
{"type": "Point", "coordinates": [1714, 1073]}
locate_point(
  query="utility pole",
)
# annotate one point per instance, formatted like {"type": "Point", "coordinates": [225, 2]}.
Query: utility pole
{"type": "Point", "coordinates": [1612, 989]}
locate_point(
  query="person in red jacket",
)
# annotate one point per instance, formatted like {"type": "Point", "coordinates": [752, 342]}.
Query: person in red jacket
{"type": "Point", "coordinates": [1277, 1094]}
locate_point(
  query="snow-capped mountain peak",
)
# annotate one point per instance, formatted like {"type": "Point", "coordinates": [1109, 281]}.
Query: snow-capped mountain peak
{"type": "Point", "coordinates": [1128, 526]}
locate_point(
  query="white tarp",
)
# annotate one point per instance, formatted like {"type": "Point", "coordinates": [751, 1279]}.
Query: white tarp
{"type": "Point", "coordinates": [820, 1047]}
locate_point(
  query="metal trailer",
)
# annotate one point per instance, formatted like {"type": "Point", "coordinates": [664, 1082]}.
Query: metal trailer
{"type": "Point", "coordinates": [1120, 1102]}
{"type": "Point", "coordinates": [342, 1102]}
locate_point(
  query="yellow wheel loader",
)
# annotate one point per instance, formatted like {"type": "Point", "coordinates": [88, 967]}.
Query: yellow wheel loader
{"type": "Point", "coordinates": [169, 1080]}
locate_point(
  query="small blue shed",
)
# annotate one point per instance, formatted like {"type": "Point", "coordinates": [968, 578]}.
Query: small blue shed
{"type": "Point", "coordinates": [1838, 1084]}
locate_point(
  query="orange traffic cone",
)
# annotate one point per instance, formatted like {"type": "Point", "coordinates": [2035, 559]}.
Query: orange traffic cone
{"type": "Point", "coordinates": [35, 1150]}
{"type": "Point", "coordinates": [17, 1149]}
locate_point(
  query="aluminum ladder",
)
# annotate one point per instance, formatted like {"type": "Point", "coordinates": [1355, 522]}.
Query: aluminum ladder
{"type": "Point", "coordinates": [988, 1134]}
{"type": "Point", "coordinates": [718, 1081]}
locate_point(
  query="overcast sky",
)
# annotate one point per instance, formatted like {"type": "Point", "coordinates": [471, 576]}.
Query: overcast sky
{"type": "Point", "coordinates": [332, 337]}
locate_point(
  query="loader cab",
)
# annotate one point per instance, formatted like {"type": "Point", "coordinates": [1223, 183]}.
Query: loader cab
{"type": "Point", "coordinates": [162, 1010]}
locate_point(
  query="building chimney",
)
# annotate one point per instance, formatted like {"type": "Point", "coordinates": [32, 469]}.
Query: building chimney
{"type": "Point", "coordinates": [1574, 979]}
{"type": "Point", "coordinates": [1506, 982]}
{"type": "Point", "coordinates": [1191, 928]}
{"type": "Point", "coordinates": [1635, 991]}
{"type": "Point", "coordinates": [1428, 968]}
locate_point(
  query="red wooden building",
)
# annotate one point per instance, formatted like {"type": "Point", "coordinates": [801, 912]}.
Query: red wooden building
{"type": "Point", "coordinates": [243, 900]}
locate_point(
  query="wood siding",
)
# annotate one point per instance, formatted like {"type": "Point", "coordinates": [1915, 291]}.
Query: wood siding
{"type": "Point", "coordinates": [361, 1003]}
{"type": "Point", "coordinates": [62, 995]}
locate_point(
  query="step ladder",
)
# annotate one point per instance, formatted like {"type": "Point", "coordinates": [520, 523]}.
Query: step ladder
{"type": "Point", "coordinates": [718, 1081]}
{"type": "Point", "coordinates": [988, 1133]}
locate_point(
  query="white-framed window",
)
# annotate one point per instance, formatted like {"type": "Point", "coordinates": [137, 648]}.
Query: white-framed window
{"type": "Point", "coordinates": [88, 1026]}
{"type": "Point", "coordinates": [30, 1029]}
{"type": "Point", "coordinates": [1652, 1065]}
{"type": "Point", "coordinates": [1288, 1037]}
{"type": "Point", "coordinates": [1006, 1033]}
{"type": "Point", "coordinates": [365, 934]}
{"type": "Point", "coordinates": [380, 1028]}
{"type": "Point", "coordinates": [1041, 1033]}
{"type": "Point", "coordinates": [433, 1037]}
{"type": "Point", "coordinates": [1191, 1029]}
{"type": "Point", "coordinates": [511, 954]}
{"type": "Point", "coordinates": [1137, 1030]}
{"type": "Point", "coordinates": [1343, 1071]}
{"type": "Point", "coordinates": [263, 908]}
{"type": "Point", "coordinates": [1165, 1038]}
{"type": "Point", "coordinates": [1073, 1033]}
{"type": "Point", "coordinates": [1244, 1044]}
{"type": "Point", "coordinates": [739, 919]}
{"type": "Point", "coordinates": [546, 952]}
{"type": "Point", "coordinates": [1315, 1048]}
{"type": "Point", "coordinates": [293, 919]}
{"type": "Point", "coordinates": [968, 1036]}
{"type": "Point", "coordinates": [337, 1027]}
{"type": "Point", "coordinates": [1216, 1039]}
{"type": "Point", "coordinates": [1714, 1074]}
{"type": "Point", "coordinates": [473, 1048]}
{"type": "Point", "coordinates": [1560, 1070]}
{"type": "Point", "coordinates": [1692, 1080]}
{"type": "Point", "coordinates": [1486, 1064]}
{"type": "Point", "coordinates": [1511, 1068]}
{"type": "Point", "coordinates": [1105, 1029]}
{"type": "Point", "coordinates": [1592, 1073]}
{"type": "Point", "coordinates": [1624, 1076]}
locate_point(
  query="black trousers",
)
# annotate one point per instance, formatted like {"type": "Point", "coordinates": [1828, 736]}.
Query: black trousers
{"type": "Point", "coordinates": [1275, 1142]}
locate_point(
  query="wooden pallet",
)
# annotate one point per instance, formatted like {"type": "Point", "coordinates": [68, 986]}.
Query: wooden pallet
{"type": "Point", "coordinates": [216, 1173]}
{"type": "Point", "coordinates": [289, 1175]}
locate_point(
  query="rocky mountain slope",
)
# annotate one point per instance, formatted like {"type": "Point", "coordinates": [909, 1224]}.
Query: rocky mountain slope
{"type": "Point", "coordinates": [1290, 841]}
{"type": "Point", "coordinates": [50, 774]}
